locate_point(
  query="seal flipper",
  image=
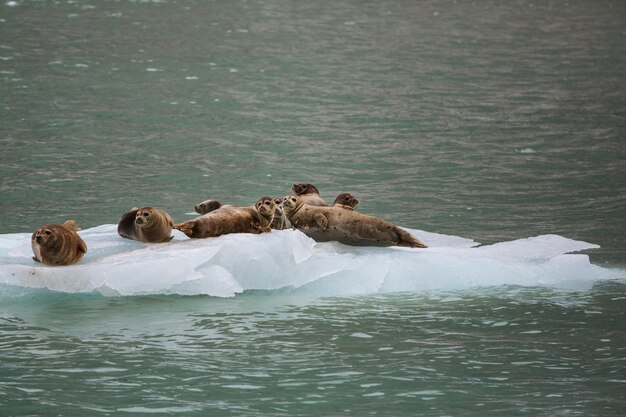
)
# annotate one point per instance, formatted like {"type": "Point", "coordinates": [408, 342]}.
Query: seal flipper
{"type": "Point", "coordinates": [186, 228]}
{"type": "Point", "coordinates": [71, 225]}
{"type": "Point", "coordinates": [82, 246]}
{"type": "Point", "coordinates": [321, 220]}
{"type": "Point", "coordinates": [408, 240]}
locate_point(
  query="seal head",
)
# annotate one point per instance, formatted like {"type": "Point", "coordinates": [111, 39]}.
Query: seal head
{"type": "Point", "coordinates": [266, 207]}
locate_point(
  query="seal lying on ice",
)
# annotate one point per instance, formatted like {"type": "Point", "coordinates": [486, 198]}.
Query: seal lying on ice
{"type": "Point", "coordinates": [231, 219]}
{"type": "Point", "coordinates": [346, 226]}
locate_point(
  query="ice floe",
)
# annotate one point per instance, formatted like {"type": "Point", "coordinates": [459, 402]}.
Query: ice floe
{"type": "Point", "coordinates": [231, 264]}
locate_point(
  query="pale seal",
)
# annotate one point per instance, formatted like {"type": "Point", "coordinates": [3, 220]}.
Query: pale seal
{"type": "Point", "coordinates": [58, 244]}
{"type": "Point", "coordinates": [147, 224]}
{"type": "Point", "coordinates": [309, 194]}
{"type": "Point", "coordinates": [346, 226]}
{"type": "Point", "coordinates": [231, 219]}
{"type": "Point", "coordinates": [346, 201]}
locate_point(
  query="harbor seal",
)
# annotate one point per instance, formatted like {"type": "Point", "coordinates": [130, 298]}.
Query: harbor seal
{"type": "Point", "coordinates": [280, 221]}
{"type": "Point", "coordinates": [346, 226]}
{"type": "Point", "coordinates": [231, 219]}
{"type": "Point", "coordinates": [147, 224]}
{"type": "Point", "coordinates": [346, 201]}
{"type": "Point", "coordinates": [58, 244]}
{"type": "Point", "coordinates": [309, 194]}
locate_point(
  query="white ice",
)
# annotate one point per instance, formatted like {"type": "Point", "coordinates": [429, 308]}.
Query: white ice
{"type": "Point", "coordinates": [231, 264]}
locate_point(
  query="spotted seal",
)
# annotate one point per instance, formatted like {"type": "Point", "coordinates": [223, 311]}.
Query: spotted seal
{"type": "Point", "coordinates": [58, 244]}
{"type": "Point", "coordinates": [346, 226]}
{"type": "Point", "coordinates": [146, 224]}
{"type": "Point", "coordinates": [231, 219]}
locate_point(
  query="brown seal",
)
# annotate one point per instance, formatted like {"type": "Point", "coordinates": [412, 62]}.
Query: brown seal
{"type": "Point", "coordinates": [309, 194]}
{"type": "Point", "coordinates": [346, 201]}
{"type": "Point", "coordinates": [231, 219]}
{"type": "Point", "coordinates": [280, 222]}
{"type": "Point", "coordinates": [146, 224]}
{"type": "Point", "coordinates": [58, 244]}
{"type": "Point", "coordinates": [346, 226]}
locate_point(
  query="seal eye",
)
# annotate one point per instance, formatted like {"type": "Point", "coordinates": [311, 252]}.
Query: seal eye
{"type": "Point", "coordinates": [48, 232]}
{"type": "Point", "coordinates": [268, 203]}
{"type": "Point", "coordinates": [145, 214]}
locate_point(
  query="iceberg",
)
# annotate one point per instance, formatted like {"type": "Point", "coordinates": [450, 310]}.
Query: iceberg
{"type": "Point", "coordinates": [231, 264]}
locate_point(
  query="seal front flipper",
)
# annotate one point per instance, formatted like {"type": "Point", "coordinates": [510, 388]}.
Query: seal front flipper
{"type": "Point", "coordinates": [81, 246]}
{"type": "Point", "coordinates": [321, 220]}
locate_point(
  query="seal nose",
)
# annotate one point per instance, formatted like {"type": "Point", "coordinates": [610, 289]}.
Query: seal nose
{"type": "Point", "coordinates": [39, 239]}
{"type": "Point", "coordinates": [139, 220]}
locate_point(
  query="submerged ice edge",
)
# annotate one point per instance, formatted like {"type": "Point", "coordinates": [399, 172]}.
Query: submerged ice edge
{"type": "Point", "coordinates": [231, 264]}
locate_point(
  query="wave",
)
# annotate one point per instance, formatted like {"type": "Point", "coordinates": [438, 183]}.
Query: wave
{"type": "Point", "coordinates": [231, 264]}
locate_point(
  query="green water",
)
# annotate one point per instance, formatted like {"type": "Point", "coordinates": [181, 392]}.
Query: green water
{"type": "Point", "coordinates": [513, 352]}
{"type": "Point", "coordinates": [491, 120]}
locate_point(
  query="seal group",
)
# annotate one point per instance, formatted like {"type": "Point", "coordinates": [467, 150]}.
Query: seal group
{"type": "Point", "coordinates": [305, 210]}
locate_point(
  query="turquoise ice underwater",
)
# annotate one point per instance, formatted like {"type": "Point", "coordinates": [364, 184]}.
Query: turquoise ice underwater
{"type": "Point", "coordinates": [231, 264]}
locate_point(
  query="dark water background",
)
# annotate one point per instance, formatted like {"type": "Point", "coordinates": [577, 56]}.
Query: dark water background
{"type": "Point", "coordinates": [493, 120]}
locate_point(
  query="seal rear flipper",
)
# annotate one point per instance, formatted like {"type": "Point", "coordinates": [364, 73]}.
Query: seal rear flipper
{"type": "Point", "coordinates": [416, 244]}
{"type": "Point", "coordinates": [410, 241]}
{"type": "Point", "coordinates": [71, 225]}
{"type": "Point", "coordinates": [186, 228]}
